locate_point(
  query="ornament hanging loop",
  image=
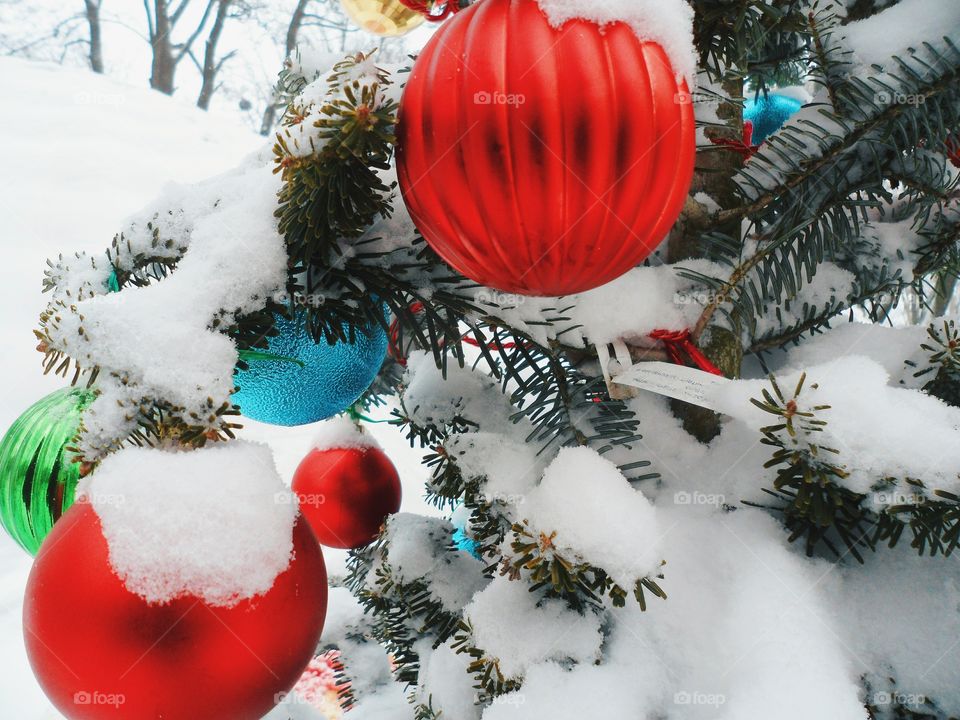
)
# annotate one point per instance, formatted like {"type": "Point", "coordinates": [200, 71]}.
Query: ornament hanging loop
{"type": "Point", "coordinates": [430, 9]}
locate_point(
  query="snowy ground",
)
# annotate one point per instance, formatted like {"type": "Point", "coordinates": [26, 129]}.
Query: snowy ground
{"type": "Point", "coordinates": [80, 154]}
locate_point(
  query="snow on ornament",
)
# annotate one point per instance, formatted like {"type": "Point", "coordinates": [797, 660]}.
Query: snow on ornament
{"type": "Point", "coordinates": [768, 112]}
{"type": "Point", "coordinates": [180, 585]}
{"type": "Point", "coordinates": [38, 477]}
{"type": "Point", "coordinates": [545, 147]}
{"type": "Point", "coordinates": [298, 381]}
{"type": "Point", "coordinates": [386, 18]}
{"type": "Point", "coordinates": [346, 486]}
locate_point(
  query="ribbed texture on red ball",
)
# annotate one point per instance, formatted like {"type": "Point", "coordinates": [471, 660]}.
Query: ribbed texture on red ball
{"type": "Point", "coordinates": [559, 193]}
{"type": "Point", "coordinates": [100, 652]}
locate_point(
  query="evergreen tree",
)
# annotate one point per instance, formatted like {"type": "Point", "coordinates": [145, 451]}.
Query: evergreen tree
{"type": "Point", "coordinates": [568, 487]}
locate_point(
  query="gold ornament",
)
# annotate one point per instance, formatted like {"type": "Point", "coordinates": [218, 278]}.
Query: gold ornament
{"type": "Point", "coordinates": [387, 18]}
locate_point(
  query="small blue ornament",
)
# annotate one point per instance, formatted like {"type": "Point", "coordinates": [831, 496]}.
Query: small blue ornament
{"type": "Point", "coordinates": [768, 113]}
{"type": "Point", "coordinates": [460, 519]}
{"type": "Point", "coordinates": [297, 381]}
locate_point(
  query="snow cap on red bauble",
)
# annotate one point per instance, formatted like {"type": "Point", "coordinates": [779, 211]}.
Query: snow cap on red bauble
{"type": "Point", "coordinates": [181, 585]}
{"type": "Point", "coordinates": [545, 147]}
{"type": "Point", "coordinates": [346, 486]}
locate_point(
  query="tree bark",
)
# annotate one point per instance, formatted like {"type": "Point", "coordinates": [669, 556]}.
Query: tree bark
{"type": "Point", "coordinates": [163, 66]}
{"type": "Point", "coordinates": [96, 38]}
{"type": "Point", "coordinates": [293, 33]}
{"type": "Point", "coordinates": [210, 64]}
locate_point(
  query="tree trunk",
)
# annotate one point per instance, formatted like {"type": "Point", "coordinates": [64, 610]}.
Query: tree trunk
{"type": "Point", "coordinates": [96, 39]}
{"type": "Point", "coordinates": [210, 65]}
{"type": "Point", "coordinates": [163, 66]}
{"type": "Point", "coordinates": [293, 32]}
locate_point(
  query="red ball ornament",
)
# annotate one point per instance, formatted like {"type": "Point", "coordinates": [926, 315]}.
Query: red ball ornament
{"type": "Point", "coordinates": [100, 651]}
{"type": "Point", "coordinates": [953, 150]}
{"type": "Point", "coordinates": [346, 493]}
{"type": "Point", "coordinates": [541, 160]}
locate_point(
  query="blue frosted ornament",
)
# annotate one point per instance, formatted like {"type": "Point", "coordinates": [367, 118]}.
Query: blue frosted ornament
{"type": "Point", "coordinates": [768, 113]}
{"type": "Point", "coordinates": [297, 381]}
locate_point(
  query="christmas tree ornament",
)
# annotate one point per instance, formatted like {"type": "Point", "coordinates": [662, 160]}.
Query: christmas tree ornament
{"type": "Point", "coordinates": [461, 539]}
{"type": "Point", "coordinates": [768, 112]}
{"type": "Point", "coordinates": [387, 18]}
{"type": "Point", "coordinates": [38, 477]}
{"type": "Point", "coordinates": [953, 150]}
{"type": "Point", "coordinates": [101, 651]}
{"type": "Point", "coordinates": [543, 160]}
{"type": "Point", "coordinates": [347, 486]}
{"type": "Point", "coordinates": [297, 380]}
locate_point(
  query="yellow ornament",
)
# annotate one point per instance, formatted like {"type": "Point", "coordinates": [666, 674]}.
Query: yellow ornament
{"type": "Point", "coordinates": [387, 18]}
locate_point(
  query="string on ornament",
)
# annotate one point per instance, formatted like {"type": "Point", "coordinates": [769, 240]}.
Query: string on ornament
{"type": "Point", "coordinates": [427, 9]}
{"type": "Point", "coordinates": [394, 350]}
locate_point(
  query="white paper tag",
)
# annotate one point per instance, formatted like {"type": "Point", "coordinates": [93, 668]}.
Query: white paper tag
{"type": "Point", "coordinates": [675, 381]}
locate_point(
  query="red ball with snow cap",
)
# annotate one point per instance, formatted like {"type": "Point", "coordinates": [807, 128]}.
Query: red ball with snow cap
{"type": "Point", "coordinates": [136, 610]}
{"type": "Point", "coordinates": [347, 487]}
{"type": "Point", "coordinates": [544, 154]}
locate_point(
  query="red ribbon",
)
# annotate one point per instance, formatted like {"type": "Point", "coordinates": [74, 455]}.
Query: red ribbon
{"type": "Point", "coordinates": [745, 147]}
{"type": "Point", "coordinates": [681, 349]}
{"type": "Point", "coordinates": [426, 8]}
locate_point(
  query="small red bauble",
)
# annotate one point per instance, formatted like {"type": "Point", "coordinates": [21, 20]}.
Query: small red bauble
{"type": "Point", "coordinates": [347, 493]}
{"type": "Point", "coordinates": [538, 160]}
{"type": "Point", "coordinates": [100, 651]}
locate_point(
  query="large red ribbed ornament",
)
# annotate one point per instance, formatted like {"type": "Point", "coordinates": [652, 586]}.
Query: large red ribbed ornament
{"type": "Point", "coordinates": [539, 160]}
{"type": "Point", "coordinates": [99, 651]}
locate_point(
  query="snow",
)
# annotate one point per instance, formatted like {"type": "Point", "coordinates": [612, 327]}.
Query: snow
{"type": "Point", "coordinates": [908, 24]}
{"type": "Point", "coordinates": [342, 433]}
{"type": "Point", "coordinates": [666, 22]}
{"type": "Point", "coordinates": [215, 523]}
{"type": "Point", "coordinates": [510, 626]}
{"type": "Point", "coordinates": [597, 516]}
{"type": "Point", "coordinates": [446, 685]}
{"type": "Point", "coordinates": [417, 552]}
{"type": "Point", "coordinates": [160, 342]}
{"type": "Point", "coordinates": [921, 443]}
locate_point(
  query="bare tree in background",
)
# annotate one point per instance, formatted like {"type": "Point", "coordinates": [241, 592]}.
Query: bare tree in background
{"type": "Point", "coordinates": [293, 33]}
{"type": "Point", "coordinates": [212, 65]}
{"type": "Point", "coordinates": [52, 33]}
{"type": "Point", "coordinates": [162, 19]}
{"type": "Point", "coordinates": [92, 11]}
